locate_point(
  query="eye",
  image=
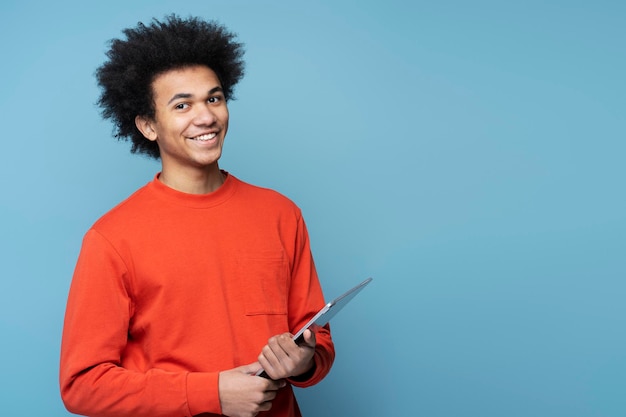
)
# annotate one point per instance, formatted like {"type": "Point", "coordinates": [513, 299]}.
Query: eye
{"type": "Point", "coordinates": [214, 99]}
{"type": "Point", "coordinates": [181, 106]}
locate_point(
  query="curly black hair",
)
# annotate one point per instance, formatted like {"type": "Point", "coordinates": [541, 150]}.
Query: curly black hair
{"type": "Point", "coordinates": [148, 51]}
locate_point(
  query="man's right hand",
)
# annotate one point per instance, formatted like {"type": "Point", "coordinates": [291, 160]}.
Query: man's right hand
{"type": "Point", "coordinates": [244, 395]}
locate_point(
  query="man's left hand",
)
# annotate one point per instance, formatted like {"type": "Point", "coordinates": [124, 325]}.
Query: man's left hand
{"type": "Point", "coordinates": [283, 358]}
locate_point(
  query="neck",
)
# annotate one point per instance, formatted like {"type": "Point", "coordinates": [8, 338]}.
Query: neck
{"type": "Point", "coordinates": [193, 181]}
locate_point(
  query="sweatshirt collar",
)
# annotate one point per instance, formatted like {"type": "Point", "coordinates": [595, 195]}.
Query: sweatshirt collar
{"type": "Point", "coordinates": [212, 199]}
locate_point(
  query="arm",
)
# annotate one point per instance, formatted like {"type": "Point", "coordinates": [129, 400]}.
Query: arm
{"type": "Point", "coordinates": [93, 378]}
{"type": "Point", "coordinates": [308, 363]}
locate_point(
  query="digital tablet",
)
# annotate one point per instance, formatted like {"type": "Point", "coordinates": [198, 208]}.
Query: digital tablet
{"type": "Point", "coordinates": [324, 315]}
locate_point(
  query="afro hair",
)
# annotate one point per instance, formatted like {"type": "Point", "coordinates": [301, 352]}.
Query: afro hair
{"type": "Point", "coordinates": [150, 50]}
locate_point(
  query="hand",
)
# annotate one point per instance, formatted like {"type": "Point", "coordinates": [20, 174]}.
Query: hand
{"type": "Point", "coordinates": [283, 358]}
{"type": "Point", "coordinates": [244, 395]}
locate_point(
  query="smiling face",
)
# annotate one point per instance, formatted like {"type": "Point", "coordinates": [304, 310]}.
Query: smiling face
{"type": "Point", "coordinates": [189, 124]}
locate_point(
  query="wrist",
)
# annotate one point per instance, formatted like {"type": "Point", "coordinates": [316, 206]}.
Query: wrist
{"type": "Point", "coordinates": [307, 374]}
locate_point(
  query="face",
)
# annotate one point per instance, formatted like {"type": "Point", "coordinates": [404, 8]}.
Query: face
{"type": "Point", "coordinates": [190, 122]}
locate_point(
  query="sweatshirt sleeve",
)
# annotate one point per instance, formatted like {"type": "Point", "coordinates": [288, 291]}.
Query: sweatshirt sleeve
{"type": "Point", "coordinates": [96, 329]}
{"type": "Point", "coordinates": [306, 298]}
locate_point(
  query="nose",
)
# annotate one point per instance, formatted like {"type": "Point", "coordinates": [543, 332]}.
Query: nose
{"type": "Point", "coordinates": [204, 115]}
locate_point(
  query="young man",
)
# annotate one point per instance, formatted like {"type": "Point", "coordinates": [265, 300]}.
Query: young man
{"type": "Point", "coordinates": [190, 286]}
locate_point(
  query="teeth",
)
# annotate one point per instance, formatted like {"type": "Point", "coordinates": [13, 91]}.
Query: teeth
{"type": "Point", "coordinates": [206, 137]}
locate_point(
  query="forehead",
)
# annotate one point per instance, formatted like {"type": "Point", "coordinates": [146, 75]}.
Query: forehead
{"type": "Point", "coordinates": [192, 80]}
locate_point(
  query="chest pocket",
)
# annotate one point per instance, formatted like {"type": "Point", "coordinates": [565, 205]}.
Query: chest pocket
{"type": "Point", "coordinates": [264, 277]}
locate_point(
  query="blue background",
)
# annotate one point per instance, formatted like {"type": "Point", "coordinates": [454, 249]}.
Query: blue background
{"type": "Point", "coordinates": [467, 155]}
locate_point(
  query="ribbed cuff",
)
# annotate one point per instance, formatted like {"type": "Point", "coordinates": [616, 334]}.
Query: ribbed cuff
{"type": "Point", "coordinates": [203, 394]}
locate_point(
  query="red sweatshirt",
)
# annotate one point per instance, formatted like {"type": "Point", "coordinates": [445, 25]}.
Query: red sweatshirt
{"type": "Point", "coordinates": [172, 288]}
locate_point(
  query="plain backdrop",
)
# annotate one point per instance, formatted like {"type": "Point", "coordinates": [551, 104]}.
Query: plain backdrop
{"type": "Point", "coordinates": [470, 156]}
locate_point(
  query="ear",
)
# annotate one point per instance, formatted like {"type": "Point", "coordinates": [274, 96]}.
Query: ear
{"type": "Point", "coordinates": [146, 127]}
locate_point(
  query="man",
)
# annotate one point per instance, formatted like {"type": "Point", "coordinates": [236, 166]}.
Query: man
{"type": "Point", "coordinates": [188, 288]}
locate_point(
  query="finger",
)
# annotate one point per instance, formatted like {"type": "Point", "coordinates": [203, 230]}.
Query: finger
{"type": "Point", "coordinates": [250, 369]}
{"type": "Point", "coordinates": [270, 395]}
{"type": "Point", "coordinates": [275, 385]}
{"type": "Point", "coordinates": [266, 406]}
{"type": "Point", "coordinates": [270, 352]}
{"type": "Point", "coordinates": [307, 339]}
{"type": "Point", "coordinates": [282, 346]}
{"type": "Point", "coordinates": [268, 361]}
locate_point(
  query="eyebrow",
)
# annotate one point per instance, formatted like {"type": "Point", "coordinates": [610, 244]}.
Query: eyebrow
{"type": "Point", "coordinates": [188, 95]}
